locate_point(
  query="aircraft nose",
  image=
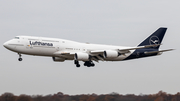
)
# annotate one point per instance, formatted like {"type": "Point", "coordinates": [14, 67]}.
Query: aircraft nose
{"type": "Point", "coordinates": [10, 45]}
{"type": "Point", "coordinates": [5, 44]}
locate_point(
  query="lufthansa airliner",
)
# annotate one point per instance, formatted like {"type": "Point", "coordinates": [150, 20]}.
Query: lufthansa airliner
{"type": "Point", "coordinates": [61, 49]}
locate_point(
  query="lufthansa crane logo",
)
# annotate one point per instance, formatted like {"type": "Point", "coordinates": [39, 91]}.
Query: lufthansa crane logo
{"type": "Point", "coordinates": [154, 40]}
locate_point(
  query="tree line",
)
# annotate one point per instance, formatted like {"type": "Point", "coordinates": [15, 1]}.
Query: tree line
{"type": "Point", "coordinates": [160, 96]}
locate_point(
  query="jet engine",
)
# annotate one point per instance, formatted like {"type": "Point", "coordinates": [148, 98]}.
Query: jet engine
{"type": "Point", "coordinates": [58, 59]}
{"type": "Point", "coordinates": [82, 56]}
{"type": "Point", "coordinates": [110, 54]}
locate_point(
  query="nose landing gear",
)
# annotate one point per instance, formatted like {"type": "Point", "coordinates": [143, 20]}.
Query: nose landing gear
{"type": "Point", "coordinates": [20, 59]}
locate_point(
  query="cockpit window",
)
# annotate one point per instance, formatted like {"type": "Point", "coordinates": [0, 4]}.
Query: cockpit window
{"type": "Point", "coordinates": [16, 37]}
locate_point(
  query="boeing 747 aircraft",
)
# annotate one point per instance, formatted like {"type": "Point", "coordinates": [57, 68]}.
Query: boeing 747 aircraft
{"type": "Point", "coordinates": [61, 49]}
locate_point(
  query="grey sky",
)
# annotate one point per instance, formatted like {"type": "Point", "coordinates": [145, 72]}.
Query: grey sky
{"type": "Point", "coordinates": [116, 22]}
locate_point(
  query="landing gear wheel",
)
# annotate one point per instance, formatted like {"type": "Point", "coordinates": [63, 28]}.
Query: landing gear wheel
{"type": "Point", "coordinates": [85, 64]}
{"type": "Point", "coordinates": [20, 59]}
{"type": "Point", "coordinates": [78, 65]}
{"type": "Point", "coordinates": [89, 64]}
{"type": "Point", "coordinates": [93, 65]}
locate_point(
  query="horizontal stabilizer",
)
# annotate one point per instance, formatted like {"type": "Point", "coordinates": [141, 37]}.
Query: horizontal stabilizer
{"type": "Point", "coordinates": [153, 52]}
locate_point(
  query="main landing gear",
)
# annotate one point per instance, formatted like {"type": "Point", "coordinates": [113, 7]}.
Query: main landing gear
{"type": "Point", "coordinates": [77, 63]}
{"type": "Point", "coordinates": [20, 59]}
{"type": "Point", "coordinates": [86, 63]}
{"type": "Point", "coordinates": [89, 64]}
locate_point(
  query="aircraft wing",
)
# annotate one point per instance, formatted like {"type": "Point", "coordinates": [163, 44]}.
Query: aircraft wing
{"type": "Point", "coordinates": [95, 52]}
{"type": "Point", "coordinates": [125, 50]}
{"type": "Point", "coordinates": [97, 55]}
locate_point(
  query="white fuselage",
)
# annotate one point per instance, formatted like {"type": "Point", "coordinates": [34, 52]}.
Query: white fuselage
{"type": "Point", "coordinates": [42, 46]}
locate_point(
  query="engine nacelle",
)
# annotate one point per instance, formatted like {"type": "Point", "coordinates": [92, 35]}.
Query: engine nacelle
{"type": "Point", "coordinates": [110, 54]}
{"type": "Point", "coordinates": [58, 59]}
{"type": "Point", "coordinates": [82, 57]}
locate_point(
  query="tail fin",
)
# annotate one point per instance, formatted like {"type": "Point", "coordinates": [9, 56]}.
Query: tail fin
{"type": "Point", "coordinates": [155, 38]}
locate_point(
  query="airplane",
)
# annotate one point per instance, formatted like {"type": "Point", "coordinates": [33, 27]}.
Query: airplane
{"type": "Point", "coordinates": [61, 49]}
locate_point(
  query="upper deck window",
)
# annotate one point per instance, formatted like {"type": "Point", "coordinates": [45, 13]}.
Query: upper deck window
{"type": "Point", "coordinates": [16, 37]}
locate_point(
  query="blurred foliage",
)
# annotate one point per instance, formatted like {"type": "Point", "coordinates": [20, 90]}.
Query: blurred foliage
{"type": "Point", "coordinates": [160, 96]}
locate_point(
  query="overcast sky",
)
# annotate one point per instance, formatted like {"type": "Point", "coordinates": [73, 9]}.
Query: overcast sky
{"type": "Point", "coordinates": [113, 22]}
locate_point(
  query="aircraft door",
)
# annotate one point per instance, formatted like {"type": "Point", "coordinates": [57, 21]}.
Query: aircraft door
{"type": "Point", "coordinates": [58, 47]}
